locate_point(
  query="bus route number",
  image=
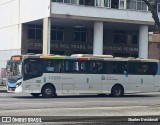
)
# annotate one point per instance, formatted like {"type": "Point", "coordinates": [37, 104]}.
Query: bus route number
{"type": "Point", "coordinates": [55, 77]}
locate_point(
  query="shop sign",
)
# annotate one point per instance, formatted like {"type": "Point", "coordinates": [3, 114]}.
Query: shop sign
{"type": "Point", "coordinates": [87, 47]}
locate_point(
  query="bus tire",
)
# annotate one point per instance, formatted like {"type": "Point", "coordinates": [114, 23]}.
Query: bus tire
{"type": "Point", "coordinates": [117, 91]}
{"type": "Point", "coordinates": [35, 94]}
{"type": "Point", "coordinates": [48, 91]}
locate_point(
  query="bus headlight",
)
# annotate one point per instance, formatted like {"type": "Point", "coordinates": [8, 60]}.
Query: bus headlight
{"type": "Point", "coordinates": [18, 84]}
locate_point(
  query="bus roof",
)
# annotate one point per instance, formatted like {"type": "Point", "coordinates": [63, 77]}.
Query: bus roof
{"type": "Point", "coordinates": [90, 57]}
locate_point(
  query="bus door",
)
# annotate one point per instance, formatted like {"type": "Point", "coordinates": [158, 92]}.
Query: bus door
{"type": "Point", "coordinates": [87, 83]}
{"type": "Point", "coordinates": [157, 78]}
{"type": "Point", "coordinates": [32, 76]}
{"type": "Point", "coordinates": [148, 76]}
{"type": "Point", "coordinates": [116, 73]}
{"type": "Point", "coordinates": [135, 78]}
{"type": "Point", "coordinates": [142, 76]}
{"type": "Point", "coordinates": [58, 73]}
{"type": "Point", "coordinates": [86, 80]}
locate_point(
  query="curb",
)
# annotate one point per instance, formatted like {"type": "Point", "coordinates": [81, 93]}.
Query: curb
{"type": "Point", "coordinates": [3, 91]}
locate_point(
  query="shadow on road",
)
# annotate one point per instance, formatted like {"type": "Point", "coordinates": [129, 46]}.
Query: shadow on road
{"type": "Point", "coordinates": [93, 96]}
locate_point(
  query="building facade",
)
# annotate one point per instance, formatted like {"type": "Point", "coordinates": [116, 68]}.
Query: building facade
{"type": "Point", "coordinates": [154, 46]}
{"type": "Point", "coordinates": [116, 27]}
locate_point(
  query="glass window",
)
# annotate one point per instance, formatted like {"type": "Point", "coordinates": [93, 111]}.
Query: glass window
{"type": "Point", "coordinates": [67, 1]}
{"type": "Point", "coordinates": [78, 66]}
{"type": "Point", "coordinates": [149, 68]}
{"type": "Point", "coordinates": [131, 4]}
{"type": "Point", "coordinates": [136, 5]}
{"type": "Point", "coordinates": [32, 68]}
{"type": "Point", "coordinates": [121, 4]}
{"type": "Point", "coordinates": [80, 34]}
{"type": "Point", "coordinates": [119, 67]}
{"type": "Point", "coordinates": [74, 1]}
{"type": "Point", "coordinates": [135, 68]}
{"type": "Point", "coordinates": [96, 67]}
{"type": "Point", "coordinates": [34, 32]}
{"type": "Point", "coordinates": [86, 2]}
{"type": "Point", "coordinates": [31, 32]}
{"type": "Point", "coordinates": [82, 2]}
{"type": "Point", "coordinates": [57, 33]}
{"type": "Point", "coordinates": [134, 38]}
{"type": "Point", "coordinates": [53, 66]}
{"type": "Point", "coordinates": [107, 3]}
{"type": "Point", "coordinates": [98, 3]}
{"type": "Point", "coordinates": [143, 68]}
{"type": "Point", "coordinates": [115, 4]}
{"type": "Point", "coordinates": [57, 0]}
{"type": "Point", "coordinates": [120, 37]}
{"type": "Point", "coordinates": [158, 7]}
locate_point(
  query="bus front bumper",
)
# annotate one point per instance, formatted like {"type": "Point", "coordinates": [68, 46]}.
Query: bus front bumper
{"type": "Point", "coordinates": [18, 89]}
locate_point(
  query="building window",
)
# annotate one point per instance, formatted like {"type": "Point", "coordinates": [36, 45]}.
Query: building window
{"type": "Point", "coordinates": [141, 5]}
{"type": "Point", "coordinates": [57, 1]}
{"type": "Point", "coordinates": [66, 1]}
{"type": "Point", "coordinates": [115, 4]}
{"type": "Point", "coordinates": [131, 4]}
{"type": "Point", "coordinates": [70, 1]}
{"type": "Point", "coordinates": [80, 34]}
{"type": "Point", "coordinates": [134, 38]}
{"type": "Point", "coordinates": [34, 32]}
{"type": "Point", "coordinates": [57, 33]}
{"type": "Point", "coordinates": [86, 2]}
{"type": "Point", "coordinates": [107, 3]}
{"type": "Point", "coordinates": [136, 5]}
{"type": "Point", "coordinates": [158, 7]}
{"type": "Point", "coordinates": [120, 37]}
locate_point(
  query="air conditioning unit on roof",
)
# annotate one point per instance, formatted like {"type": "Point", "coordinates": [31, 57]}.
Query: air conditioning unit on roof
{"type": "Point", "coordinates": [92, 55]}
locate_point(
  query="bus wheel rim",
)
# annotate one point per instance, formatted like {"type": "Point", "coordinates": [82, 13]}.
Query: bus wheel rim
{"type": "Point", "coordinates": [48, 91]}
{"type": "Point", "coordinates": [117, 92]}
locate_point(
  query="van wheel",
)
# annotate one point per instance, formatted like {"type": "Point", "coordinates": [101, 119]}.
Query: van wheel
{"type": "Point", "coordinates": [117, 91]}
{"type": "Point", "coordinates": [35, 94]}
{"type": "Point", "coordinates": [48, 91]}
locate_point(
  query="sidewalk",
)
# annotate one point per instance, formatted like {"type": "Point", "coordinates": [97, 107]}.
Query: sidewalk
{"type": "Point", "coordinates": [3, 89]}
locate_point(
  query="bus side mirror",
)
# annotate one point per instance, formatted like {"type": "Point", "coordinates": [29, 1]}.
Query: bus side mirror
{"type": "Point", "coordinates": [7, 69]}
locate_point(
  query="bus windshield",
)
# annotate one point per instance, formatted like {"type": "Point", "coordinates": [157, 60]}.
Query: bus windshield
{"type": "Point", "coordinates": [14, 69]}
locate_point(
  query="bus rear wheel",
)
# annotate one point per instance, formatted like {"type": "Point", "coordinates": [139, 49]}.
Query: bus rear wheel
{"type": "Point", "coordinates": [117, 91]}
{"type": "Point", "coordinates": [48, 91]}
{"type": "Point", "coordinates": [35, 94]}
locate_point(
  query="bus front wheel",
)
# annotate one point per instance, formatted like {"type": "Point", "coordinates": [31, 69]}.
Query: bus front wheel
{"type": "Point", "coordinates": [35, 94]}
{"type": "Point", "coordinates": [48, 91]}
{"type": "Point", "coordinates": [117, 91]}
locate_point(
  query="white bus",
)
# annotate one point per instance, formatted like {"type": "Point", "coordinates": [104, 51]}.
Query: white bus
{"type": "Point", "coordinates": [52, 75]}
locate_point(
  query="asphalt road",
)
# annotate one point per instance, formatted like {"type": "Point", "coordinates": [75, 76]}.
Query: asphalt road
{"type": "Point", "coordinates": [12, 104]}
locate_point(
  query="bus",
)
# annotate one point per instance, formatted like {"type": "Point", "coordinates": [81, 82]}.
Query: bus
{"type": "Point", "coordinates": [13, 70]}
{"type": "Point", "coordinates": [52, 75]}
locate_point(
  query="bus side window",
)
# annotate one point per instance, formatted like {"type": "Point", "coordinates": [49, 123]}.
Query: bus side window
{"type": "Point", "coordinates": [144, 69]}
{"type": "Point", "coordinates": [154, 68]}
{"type": "Point", "coordinates": [97, 67]}
{"type": "Point", "coordinates": [67, 67]}
{"type": "Point", "coordinates": [135, 68]}
{"type": "Point", "coordinates": [100, 67]}
{"type": "Point", "coordinates": [33, 68]}
{"type": "Point", "coordinates": [27, 68]}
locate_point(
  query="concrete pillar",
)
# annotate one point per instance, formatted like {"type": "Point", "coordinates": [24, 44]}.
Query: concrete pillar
{"type": "Point", "coordinates": [46, 35]}
{"type": "Point", "coordinates": [98, 38]}
{"type": "Point", "coordinates": [143, 41]}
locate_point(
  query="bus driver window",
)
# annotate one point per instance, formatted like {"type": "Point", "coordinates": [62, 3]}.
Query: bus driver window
{"type": "Point", "coordinates": [28, 69]}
